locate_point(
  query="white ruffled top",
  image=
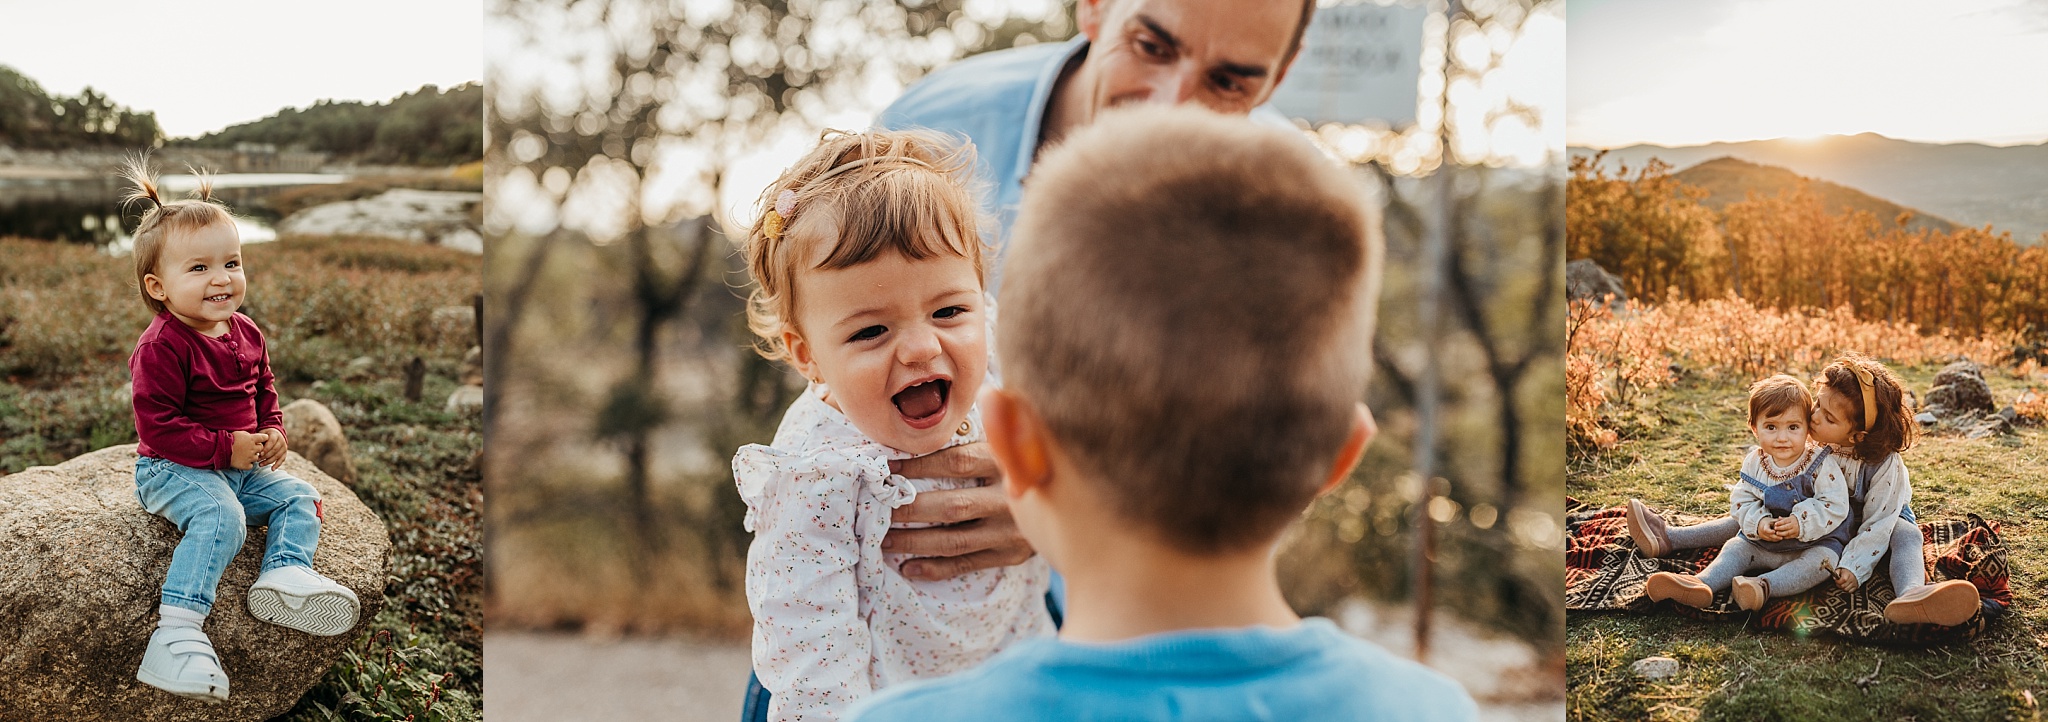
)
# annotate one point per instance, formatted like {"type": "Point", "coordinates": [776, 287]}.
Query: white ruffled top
{"type": "Point", "coordinates": [833, 618]}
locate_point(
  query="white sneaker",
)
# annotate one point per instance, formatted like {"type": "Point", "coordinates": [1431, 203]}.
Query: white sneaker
{"type": "Point", "coordinates": [299, 598]}
{"type": "Point", "coordinates": [180, 660]}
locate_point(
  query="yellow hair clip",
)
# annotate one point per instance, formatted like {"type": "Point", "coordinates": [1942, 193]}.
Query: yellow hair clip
{"type": "Point", "coordinates": [771, 223]}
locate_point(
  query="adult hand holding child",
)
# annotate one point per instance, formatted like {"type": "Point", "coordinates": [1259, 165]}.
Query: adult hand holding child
{"type": "Point", "coordinates": [978, 531]}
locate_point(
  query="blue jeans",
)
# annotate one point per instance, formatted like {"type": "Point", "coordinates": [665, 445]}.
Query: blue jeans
{"type": "Point", "coordinates": [214, 509]}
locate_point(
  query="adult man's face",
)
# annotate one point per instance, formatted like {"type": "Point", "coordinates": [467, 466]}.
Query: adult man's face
{"type": "Point", "coordinates": [1227, 55]}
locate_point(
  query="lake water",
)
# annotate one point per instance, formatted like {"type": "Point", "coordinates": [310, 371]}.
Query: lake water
{"type": "Point", "coordinates": [89, 210]}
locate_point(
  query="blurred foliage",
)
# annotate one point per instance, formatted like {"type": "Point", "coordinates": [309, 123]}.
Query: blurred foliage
{"type": "Point", "coordinates": [32, 118]}
{"type": "Point", "coordinates": [429, 126]}
{"type": "Point", "coordinates": [614, 127]}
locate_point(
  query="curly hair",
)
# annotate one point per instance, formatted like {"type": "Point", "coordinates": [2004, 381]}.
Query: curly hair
{"type": "Point", "coordinates": [1893, 430]}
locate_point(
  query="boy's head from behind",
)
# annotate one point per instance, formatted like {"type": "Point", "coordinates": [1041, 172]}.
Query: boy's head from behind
{"type": "Point", "coordinates": [1780, 415]}
{"type": "Point", "coordinates": [1187, 318]}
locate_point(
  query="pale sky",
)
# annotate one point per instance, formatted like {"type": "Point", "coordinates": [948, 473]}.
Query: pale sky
{"type": "Point", "coordinates": [205, 66]}
{"type": "Point", "coordinates": [1689, 72]}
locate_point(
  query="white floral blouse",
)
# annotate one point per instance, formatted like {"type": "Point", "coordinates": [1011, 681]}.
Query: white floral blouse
{"type": "Point", "coordinates": [833, 618]}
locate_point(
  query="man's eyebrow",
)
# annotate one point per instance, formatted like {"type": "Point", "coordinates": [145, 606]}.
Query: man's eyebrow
{"type": "Point", "coordinates": [1153, 26]}
{"type": "Point", "coordinates": [1241, 70]}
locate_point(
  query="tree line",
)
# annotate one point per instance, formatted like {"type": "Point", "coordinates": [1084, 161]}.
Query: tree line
{"type": "Point", "coordinates": [31, 117]}
{"type": "Point", "coordinates": [429, 126]}
{"type": "Point", "coordinates": [1788, 251]}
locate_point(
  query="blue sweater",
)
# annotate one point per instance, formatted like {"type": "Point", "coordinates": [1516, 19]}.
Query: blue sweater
{"type": "Point", "coordinates": [1310, 672]}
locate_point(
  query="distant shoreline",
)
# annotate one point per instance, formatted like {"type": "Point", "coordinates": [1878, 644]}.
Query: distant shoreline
{"type": "Point", "coordinates": [44, 172]}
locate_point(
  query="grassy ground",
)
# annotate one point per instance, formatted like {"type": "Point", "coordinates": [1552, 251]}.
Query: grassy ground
{"type": "Point", "coordinates": [1681, 445]}
{"type": "Point", "coordinates": [68, 320]}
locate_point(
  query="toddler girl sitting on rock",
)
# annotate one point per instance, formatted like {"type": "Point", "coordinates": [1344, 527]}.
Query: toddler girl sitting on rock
{"type": "Point", "coordinates": [208, 418]}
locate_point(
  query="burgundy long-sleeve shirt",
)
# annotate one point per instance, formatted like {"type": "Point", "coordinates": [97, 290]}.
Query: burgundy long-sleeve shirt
{"type": "Point", "coordinates": [192, 392]}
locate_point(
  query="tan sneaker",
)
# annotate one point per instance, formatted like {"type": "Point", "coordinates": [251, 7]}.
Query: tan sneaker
{"type": "Point", "coordinates": [1647, 530]}
{"type": "Point", "coordinates": [1948, 604]}
{"type": "Point", "coordinates": [1682, 588]}
{"type": "Point", "coordinates": [1751, 592]}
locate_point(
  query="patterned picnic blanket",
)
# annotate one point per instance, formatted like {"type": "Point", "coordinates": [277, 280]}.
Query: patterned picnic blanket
{"type": "Point", "coordinates": [1605, 571]}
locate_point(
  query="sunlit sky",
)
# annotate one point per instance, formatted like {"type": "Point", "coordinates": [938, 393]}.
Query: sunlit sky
{"type": "Point", "coordinates": [1688, 72]}
{"type": "Point", "coordinates": [205, 66]}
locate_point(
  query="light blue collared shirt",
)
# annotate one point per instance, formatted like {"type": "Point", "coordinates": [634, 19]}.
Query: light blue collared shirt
{"type": "Point", "coordinates": [998, 101]}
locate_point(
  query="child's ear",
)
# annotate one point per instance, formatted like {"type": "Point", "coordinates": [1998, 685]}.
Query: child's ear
{"type": "Point", "coordinates": [154, 287]}
{"type": "Point", "coordinates": [799, 353]}
{"type": "Point", "coordinates": [1017, 439]}
{"type": "Point", "coordinates": [1363, 428]}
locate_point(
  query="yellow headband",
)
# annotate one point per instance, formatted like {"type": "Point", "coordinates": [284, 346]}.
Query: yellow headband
{"type": "Point", "coordinates": [1869, 395]}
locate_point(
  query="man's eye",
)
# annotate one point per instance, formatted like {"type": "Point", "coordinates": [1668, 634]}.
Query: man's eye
{"type": "Point", "coordinates": [1146, 46]}
{"type": "Point", "coordinates": [949, 312]}
{"type": "Point", "coordinates": [1225, 82]}
{"type": "Point", "coordinates": [867, 333]}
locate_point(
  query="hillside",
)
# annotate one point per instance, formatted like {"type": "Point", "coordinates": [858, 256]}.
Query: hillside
{"type": "Point", "coordinates": [428, 126]}
{"type": "Point", "coordinates": [1970, 184]}
{"type": "Point", "coordinates": [1729, 180]}
{"type": "Point", "coordinates": [31, 117]}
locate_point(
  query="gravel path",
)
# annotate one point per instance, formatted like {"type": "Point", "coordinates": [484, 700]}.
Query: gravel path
{"type": "Point", "coordinates": [536, 676]}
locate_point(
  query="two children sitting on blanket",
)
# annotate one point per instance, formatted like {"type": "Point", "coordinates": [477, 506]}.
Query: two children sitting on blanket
{"type": "Point", "coordinates": [1825, 494]}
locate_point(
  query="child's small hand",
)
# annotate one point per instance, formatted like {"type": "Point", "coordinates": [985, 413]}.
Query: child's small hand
{"type": "Point", "coordinates": [1767, 530]}
{"type": "Point", "coordinates": [1846, 580]}
{"type": "Point", "coordinates": [1787, 527]}
{"type": "Point", "coordinates": [246, 448]}
{"type": "Point", "coordinates": [272, 454]}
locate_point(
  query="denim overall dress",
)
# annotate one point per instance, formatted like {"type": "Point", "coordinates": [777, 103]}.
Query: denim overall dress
{"type": "Point", "coordinates": [1780, 498]}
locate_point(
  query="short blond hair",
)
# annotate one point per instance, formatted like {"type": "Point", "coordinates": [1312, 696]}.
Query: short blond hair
{"type": "Point", "coordinates": [906, 192]}
{"type": "Point", "coordinates": [1188, 304]}
{"type": "Point", "coordinates": [163, 219]}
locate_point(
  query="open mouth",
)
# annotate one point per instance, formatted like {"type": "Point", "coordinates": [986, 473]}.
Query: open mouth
{"type": "Point", "coordinates": [923, 404]}
{"type": "Point", "coordinates": [222, 298]}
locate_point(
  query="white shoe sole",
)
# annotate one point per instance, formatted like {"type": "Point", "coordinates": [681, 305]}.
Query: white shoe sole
{"type": "Point", "coordinates": [323, 614]}
{"type": "Point", "coordinates": [202, 692]}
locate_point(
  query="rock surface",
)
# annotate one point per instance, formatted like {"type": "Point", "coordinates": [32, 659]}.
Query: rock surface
{"type": "Point", "coordinates": [311, 430]}
{"type": "Point", "coordinates": [436, 217]}
{"type": "Point", "coordinates": [1584, 279]}
{"type": "Point", "coordinates": [81, 566]}
{"type": "Point", "coordinates": [1655, 667]}
{"type": "Point", "coordinates": [466, 400]}
{"type": "Point", "coordinates": [1960, 389]}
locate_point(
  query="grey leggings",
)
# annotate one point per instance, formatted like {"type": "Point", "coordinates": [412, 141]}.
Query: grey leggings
{"type": "Point", "coordinates": [1790, 572]}
{"type": "Point", "coordinates": [1907, 567]}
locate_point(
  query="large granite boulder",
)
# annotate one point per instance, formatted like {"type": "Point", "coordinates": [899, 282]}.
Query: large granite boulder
{"type": "Point", "coordinates": [311, 430]}
{"type": "Point", "coordinates": [81, 565]}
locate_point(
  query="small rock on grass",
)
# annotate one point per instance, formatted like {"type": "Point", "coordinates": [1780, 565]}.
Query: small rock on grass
{"type": "Point", "coordinates": [466, 399]}
{"type": "Point", "coordinates": [1655, 667]}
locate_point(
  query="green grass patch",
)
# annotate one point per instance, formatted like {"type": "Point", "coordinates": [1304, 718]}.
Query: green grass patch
{"type": "Point", "coordinates": [1681, 447]}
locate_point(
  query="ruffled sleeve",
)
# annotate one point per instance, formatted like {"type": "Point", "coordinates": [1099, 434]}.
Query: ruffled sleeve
{"type": "Point", "coordinates": [812, 649]}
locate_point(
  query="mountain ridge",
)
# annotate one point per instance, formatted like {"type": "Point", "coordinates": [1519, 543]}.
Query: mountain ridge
{"type": "Point", "coordinates": [1970, 184]}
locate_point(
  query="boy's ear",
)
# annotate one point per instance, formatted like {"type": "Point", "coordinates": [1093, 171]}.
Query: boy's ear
{"type": "Point", "coordinates": [1018, 441]}
{"type": "Point", "coordinates": [799, 353]}
{"type": "Point", "coordinates": [1363, 428]}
